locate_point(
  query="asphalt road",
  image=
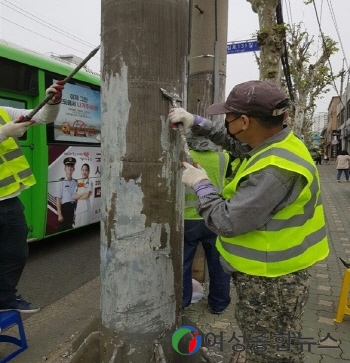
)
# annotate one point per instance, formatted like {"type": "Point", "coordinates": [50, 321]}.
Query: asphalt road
{"type": "Point", "coordinates": [60, 264]}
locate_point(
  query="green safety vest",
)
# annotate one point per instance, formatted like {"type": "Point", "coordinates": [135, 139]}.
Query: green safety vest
{"type": "Point", "coordinates": [14, 168]}
{"type": "Point", "coordinates": [295, 238]}
{"type": "Point", "coordinates": [215, 164]}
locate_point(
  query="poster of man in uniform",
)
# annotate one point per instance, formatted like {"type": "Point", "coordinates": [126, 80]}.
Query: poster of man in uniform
{"type": "Point", "coordinates": [74, 187]}
{"type": "Point", "coordinates": [74, 180]}
{"type": "Point", "coordinates": [79, 118]}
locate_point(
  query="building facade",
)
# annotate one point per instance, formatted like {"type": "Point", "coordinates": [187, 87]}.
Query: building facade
{"type": "Point", "coordinates": [332, 133]}
{"type": "Point", "coordinates": [319, 122]}
{"type": "Point", "coordinates": [343, 119]}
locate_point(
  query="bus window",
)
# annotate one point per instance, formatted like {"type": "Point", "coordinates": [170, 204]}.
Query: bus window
{"type": "Point", "coordinates": [18, 77]}
{"type": "Point", "coordinates": [12, 103]}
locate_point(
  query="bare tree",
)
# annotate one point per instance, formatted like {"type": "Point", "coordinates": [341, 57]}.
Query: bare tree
{"type": "Point", "coordinates": [311, 75]}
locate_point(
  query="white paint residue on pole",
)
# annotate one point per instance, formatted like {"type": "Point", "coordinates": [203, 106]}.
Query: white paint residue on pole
{"type": "Point", "coordinates": [133, 297]}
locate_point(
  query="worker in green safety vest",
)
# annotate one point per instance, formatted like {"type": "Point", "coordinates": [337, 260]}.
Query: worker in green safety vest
{"type": "Point", "coordinates": [216, 163]}
{"type": "Point", "coordinates": [16, 176]}
{"type": "Point", "coordinates": [269, 219]}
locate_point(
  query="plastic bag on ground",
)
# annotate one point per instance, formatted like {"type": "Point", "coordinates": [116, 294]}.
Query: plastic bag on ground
{"type": "Point", "coordinates": [197, 291]}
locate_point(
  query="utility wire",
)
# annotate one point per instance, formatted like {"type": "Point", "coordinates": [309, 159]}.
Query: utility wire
{"type": "Point", "coordinates": [45, 23]}
{"type": "Point", "coordinates": [57, 29]}
{"type": "Point", "coordinates": [337, 30]}
{"type": "Point", "coordinates": [318, 38]}
{"type": "Point", "coordinates": [40, 34]}
{"type": "Point", "coordinates": [289, 13]}
{"type": "Point", "coordinates": [324, 43]}
{"type": "Point", "coordinates": [284, 56]}
{"type": "Point", "coordinates": [45, 18]}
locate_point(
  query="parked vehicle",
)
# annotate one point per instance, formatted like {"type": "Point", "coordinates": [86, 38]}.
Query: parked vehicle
{"type": "Point", "coordinates": [24, 77]}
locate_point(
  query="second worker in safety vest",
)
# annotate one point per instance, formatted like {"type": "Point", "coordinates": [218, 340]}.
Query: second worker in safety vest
{"type": "Point", "coordinates": [16, 176]}
{"type": "Point", "coordinates": [216, 164]}
{"type": "Point", "coordinates": [269, 218]}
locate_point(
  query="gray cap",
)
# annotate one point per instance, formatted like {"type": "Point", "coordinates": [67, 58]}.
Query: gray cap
{"type": "Point", "coordinates": [253, 98]}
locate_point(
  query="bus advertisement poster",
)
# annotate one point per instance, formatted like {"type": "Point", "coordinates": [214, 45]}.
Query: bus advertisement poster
{"type": "Point", "coordinates": [79, 118]}
{"type": "Point", "coordinates": [74, 187]}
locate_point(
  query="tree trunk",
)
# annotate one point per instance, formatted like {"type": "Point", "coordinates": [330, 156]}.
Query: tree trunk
{"type": "Point", "coordinates": [270, 39]}
{"type": "Point", "coordinates": [144, 44]}
{"type": "Point", "coordinates": [299, 126]}
{"type": "Point", "coordinates": [298, 121]}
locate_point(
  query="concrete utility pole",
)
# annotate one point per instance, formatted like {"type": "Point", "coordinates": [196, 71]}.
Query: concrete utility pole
{"type": "Point", "coordinates": [207, 73]}
{"type": "Point", "coordinates": [208, 53]}
{"type": "Point", "coordinates": [144, 44]}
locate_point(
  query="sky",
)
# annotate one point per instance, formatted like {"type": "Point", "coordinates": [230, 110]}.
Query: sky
{"type": "Point", "coordinates": [73, 26]}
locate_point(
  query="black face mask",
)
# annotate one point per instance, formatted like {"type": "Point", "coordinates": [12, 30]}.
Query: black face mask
{"type": "Point", "coordinates": [227, 126]}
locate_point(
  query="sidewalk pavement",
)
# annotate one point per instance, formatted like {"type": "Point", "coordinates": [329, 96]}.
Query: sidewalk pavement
{"type": "Point", "coordinates": [50, 333]}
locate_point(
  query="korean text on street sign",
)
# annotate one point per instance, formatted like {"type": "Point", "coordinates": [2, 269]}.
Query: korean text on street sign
{"type": "Point", "coordinates": [240, 47]}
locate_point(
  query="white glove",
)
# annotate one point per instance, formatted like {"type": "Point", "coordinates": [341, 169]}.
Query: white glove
{"type": "Point", "coordinates": [15, 128]}
{"type": "Point", "coordinates": [193, 175]}
{"type": "Point", "coordinates": [56, 88]}
{"type": "Point", "coordinates": [180, 115]}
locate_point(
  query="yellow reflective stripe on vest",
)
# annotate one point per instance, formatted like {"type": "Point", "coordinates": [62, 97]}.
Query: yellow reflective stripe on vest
{"type": "Point", "coordinates": [300, 225]}
{"type": "Point", "coordinates": [315, 200]}
{"type": "Point", "coordinates": [11, 179]}
{"type": "Point", "coordinates": [277, 268]}
{"type": "Point", "coordinates": [14, 168]}
{"type": "Point", "coordinates": [275, 256]}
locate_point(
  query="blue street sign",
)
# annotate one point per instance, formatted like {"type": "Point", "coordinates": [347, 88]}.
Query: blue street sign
{"type": "Point", "coordinates": [241, 47]}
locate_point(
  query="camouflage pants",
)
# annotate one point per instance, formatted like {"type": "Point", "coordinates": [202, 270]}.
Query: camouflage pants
{"type": "Point", "coordinates": [268, 312]}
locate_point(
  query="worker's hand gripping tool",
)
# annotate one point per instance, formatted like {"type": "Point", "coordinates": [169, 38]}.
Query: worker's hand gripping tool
{"type": "Point", "coordinates": [174, 98]}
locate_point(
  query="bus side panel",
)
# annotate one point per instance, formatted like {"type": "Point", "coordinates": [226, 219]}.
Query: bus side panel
{"type": "Point", "coordinates": [39, 164]}
{"type": "Point", "coordinates": [26, 195]}
{"type": "Point", "coordinates": [58, 181]}
{"type": "Point", "coordinates": [25, 75]}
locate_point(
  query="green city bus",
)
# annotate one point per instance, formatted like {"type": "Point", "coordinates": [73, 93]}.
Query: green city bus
{"type": "Point", "coordinates": [24, 77]}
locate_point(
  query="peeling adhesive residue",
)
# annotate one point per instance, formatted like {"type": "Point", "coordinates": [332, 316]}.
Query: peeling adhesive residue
{"type": "Point", "coordinates": [139, 304]}
{"type": "Point", "coordinates": [115, 114]}
{"type": "Point", "coordinates": [166, 147]}
{"type": "Point", "coordinates": [171, 152]}
{"type": "Point", "coordinates": [124, 234]}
